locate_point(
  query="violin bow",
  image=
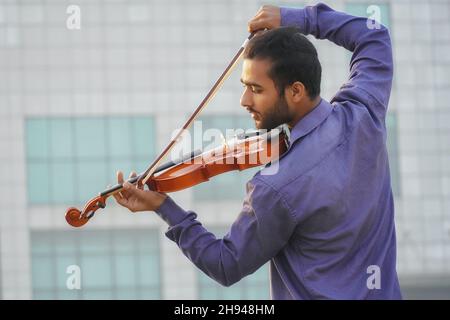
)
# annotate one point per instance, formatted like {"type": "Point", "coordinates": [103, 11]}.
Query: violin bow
{"type": "Point", "coordinates": [143, 178]}
{"type": "Point", "coordinates": [78, 218]}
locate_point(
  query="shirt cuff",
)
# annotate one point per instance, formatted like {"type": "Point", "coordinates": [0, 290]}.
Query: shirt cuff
{"type": "Point", "coordinates": [293, 17]}
{"type": "Point", "coordinates": [170, 212]}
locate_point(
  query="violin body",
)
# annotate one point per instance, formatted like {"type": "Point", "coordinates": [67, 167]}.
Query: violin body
{"type": "Point", "coordinates": [241, 153]}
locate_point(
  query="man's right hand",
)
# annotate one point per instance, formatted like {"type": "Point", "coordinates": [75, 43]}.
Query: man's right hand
{"type": "Point", "coordinates": [267, 17]}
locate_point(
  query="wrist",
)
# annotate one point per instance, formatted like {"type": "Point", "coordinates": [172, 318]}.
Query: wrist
{"type": "Point", "coordinates": [158, 201]}
{"type": "Point", "coordinates": [292, 17]}
{"type": "Point", "coordinates": [170, 212]}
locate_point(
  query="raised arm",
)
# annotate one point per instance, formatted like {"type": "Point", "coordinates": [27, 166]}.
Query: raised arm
{"type": "Point", "coordinates": [371, 66]}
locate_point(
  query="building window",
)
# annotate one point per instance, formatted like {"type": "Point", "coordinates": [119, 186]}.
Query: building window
{"type": "Point", "coordinates": [231, 185]}
{"type": "Point", "coordinates": [118, 264]}
{"type": "Point", "coordinates": [71, 159]}
{"type": "Point", "coordinates": [252, 287]}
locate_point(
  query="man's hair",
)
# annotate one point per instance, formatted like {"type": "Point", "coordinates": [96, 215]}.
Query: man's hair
{"type": "Point", "coordinates": [293, 56]}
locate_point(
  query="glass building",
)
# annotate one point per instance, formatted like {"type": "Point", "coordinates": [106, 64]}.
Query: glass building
{"type": "Point", "coordinates": [89, 87]}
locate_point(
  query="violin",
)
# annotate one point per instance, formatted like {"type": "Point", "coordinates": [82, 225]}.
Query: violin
{"type": "Point", "coordinates": [240, 154]}
{"type": "Point", "coordinates": [243, 152]}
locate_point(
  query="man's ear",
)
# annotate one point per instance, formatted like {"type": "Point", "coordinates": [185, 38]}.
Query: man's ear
{"type": "Point", "coordinates": [296, 92]}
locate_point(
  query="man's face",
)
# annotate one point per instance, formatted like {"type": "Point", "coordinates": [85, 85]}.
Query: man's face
{"type": "Point", "coordinates": [260, 96]}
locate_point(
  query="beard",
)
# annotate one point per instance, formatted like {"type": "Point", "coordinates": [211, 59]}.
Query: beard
{"type": "Point", "coordinates": [275, 116]}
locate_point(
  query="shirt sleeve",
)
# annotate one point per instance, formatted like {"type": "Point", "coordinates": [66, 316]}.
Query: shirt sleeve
{"type": "Point", "coordinates": [261, 230]}
{"type": "Point", "coordinates": [371, 65]}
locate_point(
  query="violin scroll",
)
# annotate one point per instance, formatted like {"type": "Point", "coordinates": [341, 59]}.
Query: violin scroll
{"type": "Point", "coordinates": [77, 218]}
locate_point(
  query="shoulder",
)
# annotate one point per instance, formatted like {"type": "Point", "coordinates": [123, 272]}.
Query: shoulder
{"type": "Point", "coordinates": [305, 154]}
{"type": "Point", "coordinates": [309, 159]}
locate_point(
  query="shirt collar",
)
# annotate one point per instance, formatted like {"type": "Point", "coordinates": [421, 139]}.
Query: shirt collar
{"type": "Point", "coordinates": [309, 122]}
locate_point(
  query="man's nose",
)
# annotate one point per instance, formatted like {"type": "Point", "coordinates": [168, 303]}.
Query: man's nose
{"type": "Point", "coordinates": [246, 98]}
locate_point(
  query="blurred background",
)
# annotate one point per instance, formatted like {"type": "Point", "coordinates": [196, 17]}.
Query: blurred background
{"type": "Point", "coordinates": [78, 104]}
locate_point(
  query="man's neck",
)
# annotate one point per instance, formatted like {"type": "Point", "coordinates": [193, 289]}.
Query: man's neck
{"type": "Point", "coordinates": [307, 107]}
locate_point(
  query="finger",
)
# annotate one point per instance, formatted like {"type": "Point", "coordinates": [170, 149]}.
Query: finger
{"type": "Point", "coordinates": [132, 175]}
{"type": "Point", "coordinates": [123, 195]}
{"type": "Point", "coordinates": [119, 177]}
{"type": "Point", "coordinates": [256, 25]}
{"type": "Point", "coordinates": [139, 185]}
{"type": "Point", "coordinates": [120, 199]}
{"type": "Point", "coordinates": [117, 196]}
{"type": "Point", "coordinates": [123, 202]}
{"type": "Point", "coordinates": [255, 20]}
{"type": "Point", "coordinates": [133, 191]}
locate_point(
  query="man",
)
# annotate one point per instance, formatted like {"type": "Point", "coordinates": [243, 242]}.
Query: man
{"type": "Point", "coordinates": [325, 221]}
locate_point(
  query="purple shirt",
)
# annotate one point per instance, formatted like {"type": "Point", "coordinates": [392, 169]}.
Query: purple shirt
{"type": "Point", "coordinates": [325, 221]}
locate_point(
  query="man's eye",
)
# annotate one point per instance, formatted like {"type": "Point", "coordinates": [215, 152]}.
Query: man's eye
{"type": "Point", "coordinates": [252, 89]}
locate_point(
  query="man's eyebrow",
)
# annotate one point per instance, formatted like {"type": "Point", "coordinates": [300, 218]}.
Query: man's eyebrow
{"type": "Point", "coordinates": [251, 84]}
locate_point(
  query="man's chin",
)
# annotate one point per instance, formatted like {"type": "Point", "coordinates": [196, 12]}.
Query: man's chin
{"type": "Point", "coordinates": [263, 126]}
{"type": "Point", "coordinates": [259, 125]}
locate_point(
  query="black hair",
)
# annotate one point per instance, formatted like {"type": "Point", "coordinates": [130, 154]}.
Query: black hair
{"type": "Point", "coordinates": [293, 56]}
